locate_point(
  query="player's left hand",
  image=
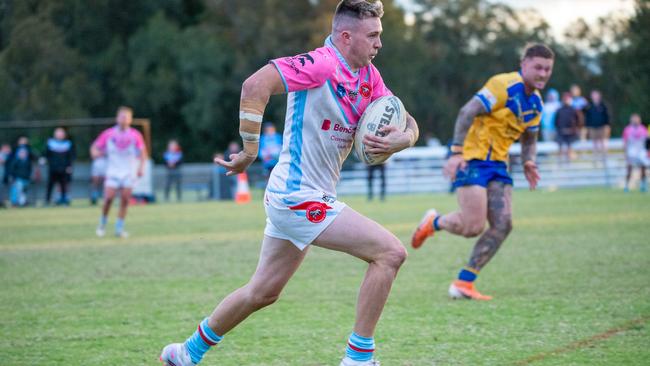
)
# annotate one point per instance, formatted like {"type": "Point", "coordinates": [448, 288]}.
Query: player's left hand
{"type": "Point", "coordinates": [140, 172]}
{"type": "Point", "coordinates": [532, 174]}
{"type": "Point", "coordinates": [393, 141]}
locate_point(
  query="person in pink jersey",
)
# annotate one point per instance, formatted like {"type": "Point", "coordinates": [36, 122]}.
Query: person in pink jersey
{"type": "Point", "coordinates": [636, 154]}
{"type": "Point", "coordinates": [328, 90]}
{"type": "Point", "coordinates": [125, 152]}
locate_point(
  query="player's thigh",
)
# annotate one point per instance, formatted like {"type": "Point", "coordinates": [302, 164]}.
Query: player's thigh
{"type": "Point", "coordinates": [110, 192]}
{"type": "Point", "coordinates": [279, 260]}
{"type": "Point", "coordinates": [473, 204]}
{"type": "Point", "coordinates": [499, 211]}
{"type": "Point", "coordinates": [125, 194]}
{"type": "Point", "coordinates": [357, 235]}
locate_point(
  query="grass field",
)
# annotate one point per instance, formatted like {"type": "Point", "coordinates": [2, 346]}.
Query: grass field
{"type": "Point", "coordinates": [571, 287]}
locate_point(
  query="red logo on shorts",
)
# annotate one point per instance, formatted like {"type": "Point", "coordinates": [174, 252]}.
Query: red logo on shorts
{"type": "Point", "coordinates": [326, 125]}
{"type": "Point", "coordinates": [365, 90]}
{"type": "Point", "coordinates": [314, 211]}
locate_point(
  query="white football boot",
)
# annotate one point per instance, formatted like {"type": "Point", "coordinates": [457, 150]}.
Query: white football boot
{"type": "Point", "coordinates": [100, 231]}
{"type": "Point", "coordinates": [175, 354]}
{"type": "Point", "coordinates": [347, 361]}
{"type": "Point", "coordinates": [121, 234]}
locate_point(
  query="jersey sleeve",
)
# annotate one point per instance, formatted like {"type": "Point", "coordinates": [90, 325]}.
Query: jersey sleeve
{"type": "Point", "coordinates": [534, 124]}
{"type": "Point", "coordinates": [494, 94]}
{"type": "Point", "coordinates": [626, 133]}
{"type": "Point", "coordinates": [379, 88]}
{"type": "Point", "coordinates": [305, 71]}
{"type": "Point", "coordinates": [139, 140]}
{"type": "Point", "coordinates": [101, 141]}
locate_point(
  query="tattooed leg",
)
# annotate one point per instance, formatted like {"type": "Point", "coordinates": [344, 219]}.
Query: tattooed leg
{"type": "Point", "coordinates": [499, 215]}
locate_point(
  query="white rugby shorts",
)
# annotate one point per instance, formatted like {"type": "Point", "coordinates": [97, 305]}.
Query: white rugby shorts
{"type": "Point", "coordinates": [119, 182]}
{"type": "Point", "coordinates": [98, 167]}
{"type": "Point", "coordinates": [299, 217]}
{"type": "Point", "coordinates": [637, 157]}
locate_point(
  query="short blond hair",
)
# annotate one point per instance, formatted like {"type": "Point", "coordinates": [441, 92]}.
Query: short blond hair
{"type": "Point", "coordinates": [124, 108]}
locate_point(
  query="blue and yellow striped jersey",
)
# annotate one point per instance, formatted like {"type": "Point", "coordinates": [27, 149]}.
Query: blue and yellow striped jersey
{"type": "Point", "coordinates": [510, 112]}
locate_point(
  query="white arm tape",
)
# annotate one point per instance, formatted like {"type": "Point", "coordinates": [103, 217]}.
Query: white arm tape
{"type": "Point", "coordinates": [249, 137]}
{"type": "Point", "coordinates": [250, 116]}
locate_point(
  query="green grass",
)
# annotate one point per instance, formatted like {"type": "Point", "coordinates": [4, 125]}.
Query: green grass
{"type": "Point", "coordinates": [575, 266]}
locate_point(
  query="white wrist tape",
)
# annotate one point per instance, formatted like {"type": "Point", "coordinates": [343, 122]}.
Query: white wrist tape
{"type": "Point", "coordinates": [250, 116]}
{"type": "Point", "coordinates": [249, 137]}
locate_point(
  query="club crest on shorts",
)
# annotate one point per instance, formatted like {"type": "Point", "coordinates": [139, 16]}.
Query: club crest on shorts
{"type": "Point", "coordinates": [314, 211]}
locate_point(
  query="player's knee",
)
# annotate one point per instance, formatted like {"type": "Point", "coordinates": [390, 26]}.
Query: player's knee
{"type": "Point", "coordinates": [395, 256]}
{"type": "Point", "coordinates": [473, 230]}
{"type": "Point", "coordinates": [261, 298]}
{"type": "Point", "coordinates": [504, 227]}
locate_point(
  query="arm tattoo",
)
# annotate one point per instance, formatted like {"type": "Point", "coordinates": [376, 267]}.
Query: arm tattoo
{"type": "Point", "coordinates": [500, 218]}
{"type": "Point", "coordinates": [465, 119]}
{"type": "Point", "coordinates": [528, 146]}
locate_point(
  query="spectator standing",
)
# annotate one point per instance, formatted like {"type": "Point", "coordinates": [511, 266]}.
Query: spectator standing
{"type": "Point", "coordinates": [233, 149]}
{"type": "Point", "coordinates": [173, 158]}
{"type": "Point", "coordinates": [5, 153]}
{"type": "Point", "coordinates": [97, 176]}
{"type": "Point", "coordinates": [220, 183]}
{"type": "Point", "coordinates": [60, 155]}
{"type": "Point", "coordinates": [579, 103]}
{"type": "Point", "coordinates": [636, 155]}
{"type": "Point", "coordinates": [551, 105]}
{"type": "Point", "coordinates": [381, 168]}
{"type": "Point", "coordinates": [566, 125]}
{"type": "Point", "coordinates": [270, 147]}
{"type": "Point", "coordinates": [597, 122]}
{"type": "Point", "coordinates": [19, 172]}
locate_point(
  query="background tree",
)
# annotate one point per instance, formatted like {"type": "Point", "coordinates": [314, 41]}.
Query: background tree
{"type": "Point", "coordinates": [181, 62]}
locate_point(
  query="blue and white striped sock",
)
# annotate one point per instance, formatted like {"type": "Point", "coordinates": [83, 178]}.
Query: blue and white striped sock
{"type": "Point", "coordinates": [201, 341]}
{"type": "Point", "coordinates": [103, 220]}
{"type": "Point", "coordinates": [119, 225]}
{"type": "Point", "coordinates": [360, 348]}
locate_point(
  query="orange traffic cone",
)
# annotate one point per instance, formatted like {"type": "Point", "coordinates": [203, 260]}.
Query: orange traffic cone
{"type": "Point", "coordinates": [243, 194]}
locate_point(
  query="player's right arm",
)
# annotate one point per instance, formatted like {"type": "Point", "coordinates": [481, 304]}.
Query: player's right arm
{"type": "Point", "coordinates": [99, 145]}
{"type": "Point", "coordinates": [255, 94]}
{"type": "Point", "coordinates": [464, 121]}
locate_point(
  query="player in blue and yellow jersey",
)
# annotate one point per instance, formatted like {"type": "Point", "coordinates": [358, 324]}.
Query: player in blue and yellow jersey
{"type": "Point", "coordinates": [506, 109]}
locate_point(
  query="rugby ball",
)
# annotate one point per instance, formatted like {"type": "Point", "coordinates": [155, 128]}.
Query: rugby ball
{"type": "Point", "coordinates": [385, 111]}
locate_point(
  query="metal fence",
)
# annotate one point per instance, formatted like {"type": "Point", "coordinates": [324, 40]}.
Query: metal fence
{"type": "Point", "coordinates": [416, 170]}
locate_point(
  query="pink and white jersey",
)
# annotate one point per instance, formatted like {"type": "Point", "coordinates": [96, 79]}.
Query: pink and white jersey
{"type": "Point", "coordinates": [634, 137]}
{"type": "Point", "coordinates": [325, 102]}
{"type": "Point", "coordinates": [122, 149]}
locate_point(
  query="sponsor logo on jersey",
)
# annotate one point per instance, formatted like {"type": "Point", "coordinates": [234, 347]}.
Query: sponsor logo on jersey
{"type": "Point", "coordinates": [340, 91]}
{"type": "Point", "coordinates": [341, 128]}
{"type": "Point", "coordinates": [327, 125]}
{"type": "Point", "coordinates": [304, 58]}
